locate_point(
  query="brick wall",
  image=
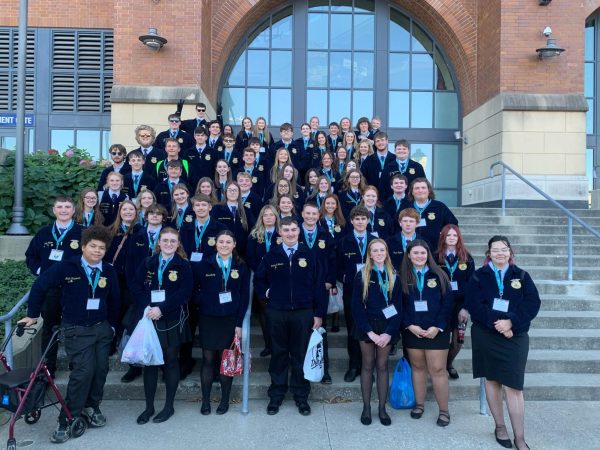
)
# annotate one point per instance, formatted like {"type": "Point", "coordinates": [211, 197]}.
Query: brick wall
{"type": "Point", "coordinates": [60, 13]}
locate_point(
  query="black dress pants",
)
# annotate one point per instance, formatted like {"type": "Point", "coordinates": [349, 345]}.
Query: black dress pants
{"type": "Point", "coordinates": [352, 344]}
{"type": "Point", "coordinates": [290, 333]}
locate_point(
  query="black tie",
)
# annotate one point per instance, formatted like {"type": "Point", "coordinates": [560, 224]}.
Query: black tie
{"type": "Point", "coordinates": [382, 158]}
{"type": "Point", "coordinates": [114, 198]}
{"type": "Point", "coordinates": [291, 250]}
{"type": "Point", "coordinates": [93, 271]}
{"type": "Point", "coordinates": [61, 231]}
{"type": "Point", "coordinates": [420, 276]}
{"type": "Point", "coordinates": [451, 257]}
{"type": "Point", "coordinates": [269, 234]}
{"type": "Point", "coordinates": [310, 236]}
{"type": "Point", "coordinates": [136, 178]}
{"type": "Point", "coordinates": [233, 210]}
{"type": "Point", "coordinates": [361, 243]}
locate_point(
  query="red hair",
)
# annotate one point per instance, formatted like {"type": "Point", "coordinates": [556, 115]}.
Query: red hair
{"type": "Point", "coordinates": [461, 251]}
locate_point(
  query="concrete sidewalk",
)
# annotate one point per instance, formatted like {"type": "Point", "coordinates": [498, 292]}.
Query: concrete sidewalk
{"type": "Point", "coordinates": [549, 425]}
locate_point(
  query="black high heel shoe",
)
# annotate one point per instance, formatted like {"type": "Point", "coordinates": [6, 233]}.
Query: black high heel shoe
{"type": "Point", "coordinates": [365, 417]}
{"type": "Point", "coordinates": [144, 417]}
{"type": "Point", "coordinates": [503, 442]}
{"type": "Point", "coordinates": [222, 408]}
{"type": "Point", "coordinates": [205, 408]}
{"type": "Point", "coordinates": [384, 418]}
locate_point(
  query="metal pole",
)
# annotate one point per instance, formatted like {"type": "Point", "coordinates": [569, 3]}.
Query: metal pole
{"type": "Point", "coordinates": [18, 211]}
{"type": "Point", "coordinates": [246, 349]}
{"type": "Point", "coordinates": [503, 191]}
{"type": "Point", "coordinates": [9, 346]}
{"type": "Point", "coordinates": [570, 249]}
{"type": "Point", "coordinates": [482, 398]}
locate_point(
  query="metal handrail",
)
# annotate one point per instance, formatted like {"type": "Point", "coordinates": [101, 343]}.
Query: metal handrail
{"type": "Point", "coordinates": [7, 319]}
{"type": "Point", "coordinates": [570, 216]}
{"type": "Point", "coordinates": [246, 348]}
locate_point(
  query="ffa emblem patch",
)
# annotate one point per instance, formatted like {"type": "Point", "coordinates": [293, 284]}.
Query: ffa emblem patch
{"type": "Point", "coordinates": [234, 160]}
{"type": "Point", "coordinates": [254, 180]}
{"type": "Point", "coordinates": [188, 218]}
{"type": "Point", "coordinates": [173, 275]}
{"type": "Point", "coordinates": [102, 282]}
{"type": "Point", "coordinates": [431, 216]}
{"type": "Point", "coordinates": [431, 283]}
{"type": "Point", "coordinates": [74, 245]}
{"type": "Point", "coordinates": [153, 160]}
{"type": "Point", "coordinates": [279, 241]}
{"type": "Point", "coordinates": [515, 284]}
{"type": "Point", "coordinates": [411, 171]}
{"type": "Point", "coordinates": [302, 262]}
{"type": "Point", "coordinates": [337, 228]}
{"type": "Point", "coordinates": [207, 157]}
{"type": "Point", "coordinates": [321, 244]}
{"type": "Point", "coordinates": [294, 151]}
{"type": "Point", "coordinates": [180, 140]}
{"type": "Point", "coordinates": [381, 222]}
{"type": "Point", "coordinates": [235, 274]}
{"type": "Point", "coordinates": [462, 266]}
{"type": "Point", "coordinates": [211, 241]}
{"type": "Point", "coordinates": [220, 148]}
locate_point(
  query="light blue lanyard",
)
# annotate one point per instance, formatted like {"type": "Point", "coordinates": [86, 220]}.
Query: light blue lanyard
{"type": "Point", "coordinates": [341, 167]}
{"type": "Point", "coordinates": [499, 280]}
{"type": "Point", "coordinates": [352, 199]}
{"type": "Point", "coordinates": [372, 219]}
{"type": "Point", "coordinates": [451, 269]}
{"type": "Point", "coordinates": [405, 243]}
{"type": "Point", "coordinates": [362, 248]}
{"type": "Point", "coordinates": [59, 239]}
{"type": "Point", "coordinates": [94, 283]}
{"type": "Point", "coordinates": [318, 199]}
{"type": "Point", "coordinates": [310, 242]}
{"type": "Point", "coordinates": [89, 217]}
{"type": "Point", "coordinates": [405, 163]}
{"type": "Point", "coordinates": [199, 234]}
{"type": "Point", "coordinates": [384, 285]}
{"type": "Point", "coordinates": [153, 240]}
{"type": "Point", "coordinates": [419, 209]}
{"type": "Point", "coordinates": [268, 240]}
{"type": "Point", "coordinates": [420, 281]}
{"type": "Point", "coordinates": [136, 184]}
{"type": "Point", "coordinates": [330, 225]}
{"type": "Point", "coordinates": [226, 270]}
{"type": "Point", "coordinates": [327, 173]}
{"type": "Point", "coordinates": [180, 217]}
{"type": "Point", "coordinates": [382, 163]}
{"type": "Point", "coordinates": [162, 268]}
{"type": "Point", "coordinates": [141, 218]}
{"type": "Point", "coordinates": [398, 203]}
{"type": "Point", "coordinates": [124, 228]}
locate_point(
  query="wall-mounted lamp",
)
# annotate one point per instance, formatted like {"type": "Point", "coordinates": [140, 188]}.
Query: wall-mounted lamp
{"type": "Point", "coordinates": [545, 2]}
{"type": "Point", "coordinates": [550, 50]}
{"type": "Point", "coordinates": [153, 40]}
{"type": "Point", "coordinates": [459, 137]}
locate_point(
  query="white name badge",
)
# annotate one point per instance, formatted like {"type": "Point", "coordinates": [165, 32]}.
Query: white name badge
{"type": "Point", "coordinates": [157, 296]}
{"type": "Point", "coordinates": [196, 257]}
{"type": "Point", "coordinates": [422, 223]}
{"type": "Point", "coordinates": [421, 306]}
{"type": "Point", "coordinates": [390, 311]}
{"type": "Point", "coordinates": [359, 267]}
{"type": "Point", "coordinates": [56, 255]}
{"type": "Point", "coordinates": [224, 297]}
{"type": "Point", "coordinates": [93, 304]}
{"type": "Point", "coordinates": [500, 305]}
{"type": "Point", "coordinates": [375, 233]}
{"type": "Point", "coordinates": [261, 150]}
{"type": "Point", "coordinates": [454, 285]}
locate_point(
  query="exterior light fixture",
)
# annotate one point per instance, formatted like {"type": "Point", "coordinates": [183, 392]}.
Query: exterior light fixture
{"type": "Point", "coordinates": [545, 2]}
{"type": "Point", "coordinates": [550, 50]}
{"type": "Point", "coordinates": [153, 40]}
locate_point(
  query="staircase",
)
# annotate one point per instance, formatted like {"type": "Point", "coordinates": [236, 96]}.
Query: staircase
{"type": "Point", "coordinates": [564, 357]}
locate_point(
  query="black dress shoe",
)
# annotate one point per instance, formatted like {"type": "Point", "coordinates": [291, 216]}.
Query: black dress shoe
{"type": "Point", "coordinates": [303, 407]}
{"type": "Point", "coordinates": [335, 329]}
{"type": "Point", "coordinates": [222, 408]}
{"type": "Point", "coordinates": [326, 379]}
{"type": "Point", "coordinates": [506, 443]}
{"type": "Point", "coordinates": [273, 407]}
{"type": "Point", "coordinates": [205, 408]}
{"type": "Point", "coordinates": [266, 352]}
{"type": "Point", "coordinates": [131, 374]}
{"type": "Point", "coordinates": [384, 418]}
{"type": "Point", "coordinates": [365, 417]}
{"type": "Point", "coordinates": [144, 417]}
{"type": "Point", "coordinates": [452, 372]}
{"type": "Point", "coordinates": [351, 375]}
{"type": "Point", "coordinates": [164, 415]}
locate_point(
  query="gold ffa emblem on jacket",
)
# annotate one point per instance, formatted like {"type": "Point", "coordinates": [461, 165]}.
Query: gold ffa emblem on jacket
{"type": "Point", "coordinates": [431, 216]}
{"type": "Point", "coordinates": [431, 283]}
{"type": "Point", "coordinates": [102, 282]}
{"type": "Point", "coordinates": [173, 275]}
{"type": "Point", "coordinates": [515, 284]}
{"type": "Point", "coordinates": [235, 274]}
{"type": "Point", "coordinates": [74, 244]}
{"type": "Point", "coordinates": [302, 262]}
{"type": "Point", "coordinates": [462, 266]}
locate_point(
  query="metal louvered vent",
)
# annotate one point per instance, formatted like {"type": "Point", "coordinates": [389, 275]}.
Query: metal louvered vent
{"type": "Point", "coordinates": [9, 43]}
{"type": "Point", "coordinates": [82, 64]}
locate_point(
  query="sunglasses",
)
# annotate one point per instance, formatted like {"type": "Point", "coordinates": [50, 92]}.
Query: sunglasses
{"type": "Point", "coordinates": [145, 135]}
{"type": "Point", "coordinates": [116, 153]}
{"type": "Point", "coordinates": [201, 109]}
{"type": "Point", "coordinates": [174, 120]}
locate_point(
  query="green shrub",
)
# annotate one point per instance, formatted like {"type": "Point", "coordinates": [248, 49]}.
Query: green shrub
{"type": "Point", "coordinates": [15, 280]}
{"type": "Point", "coordinates": [47, 174]}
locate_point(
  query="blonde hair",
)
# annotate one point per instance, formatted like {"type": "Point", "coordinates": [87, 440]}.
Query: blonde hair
{"type": "Point", "coordinates": [366, 270]}
{"type": "Point", "coordinates": [258, 232]}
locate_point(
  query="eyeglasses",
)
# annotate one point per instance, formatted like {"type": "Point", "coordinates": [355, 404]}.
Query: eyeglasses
{"type": "Point", "coordinates": [145, 135]}
{"type": "Point", "coordinates": [174, 120]}
{"type": "Point", "coordinates": [228, 140]}
{"type": "Point", "coordinates": [500, 250]}
{"type": "Point", "coordinates": [87, 197]}
{"type": "Point", "coordinates": [201, 109]}
{"type": "Point", "coordinates": [115, 153]}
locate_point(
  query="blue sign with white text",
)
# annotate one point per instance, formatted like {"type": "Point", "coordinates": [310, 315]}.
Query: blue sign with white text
{"type": "Point", "coordinates": [10, 120]}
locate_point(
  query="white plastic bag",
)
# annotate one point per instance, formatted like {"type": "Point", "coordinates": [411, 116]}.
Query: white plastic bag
{"type": "Point", "coordinates": [333, 306]}
{"type": "Point", "coordinates": [143, 346]}
{"type": "Point", "coordinates": [314, 361]}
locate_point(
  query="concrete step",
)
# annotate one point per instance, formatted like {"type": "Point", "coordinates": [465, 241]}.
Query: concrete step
{"type": "Point", "coordinates": [539, 212]}
{"type": "Point", "coordinates": [562, 303]}
{"type": "Point", "coordinates": [527, 237]}
{"type": "Point", "coordinates": [580, 289]}
{"type": "Point", "coordinates": [528, 259]}
{"type": "Point", "coordinates": [474, 218]}
{"type": "Point", "coordinates": [560, 273]}
{"type": "Point", "coordinates": [538, 386]}
{"type": "Point", "coordinates": [511, 230]}
{"type": "Point", "coordinates": [567, 320]}
{"type": "Point", "coordinates": [478, 249]}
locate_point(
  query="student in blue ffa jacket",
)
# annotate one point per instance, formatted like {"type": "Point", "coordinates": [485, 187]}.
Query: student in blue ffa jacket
{"type": "Point", "coordinates": [222, 290]}
{"type": "Point", "coordinates": [182, 210]}
{"type": "Point", "coordinates": [164, 282]}
{"type": "Point", "coordinates": [351, 252]}
{"type": "Point", "coordinates": [286, 130]}
{"type": "Point", "coordinates": [120, 165]}
{"type": "Point", "coordinates": [143, 201]}
{"type": "Point", "coordinates": [377, 311]}
{"type": "Point", "coordinates": [145, 136]}
{"type": "Point", "coordinates": [352, 189]}
{"type": "Point", "coordinates": [320, 243]}
{"type": "Point", "coordinates": [402, 165]}
{"type": "Point", "coordinates": [222, 177]}
{"type": "Point", "coordinates": [434, 214]}
{"type": "Point", "coordinates": [373, 165]}
{"type": "Point", "coordinates": [245, 133]}
{"type": "Point", "coordinates": [426, 307]}
{"type": "Point", "coordinates": [380, 223]}
{"type": "Point", "coordinates": [256, 176]}
{"type": "Point", "coordinates": [200, 120]}
{"type": "Point", "coordinates": [174, 132]}
{"type": "Point", "coordinates": [215, 141]}
{"type": "Point", "coordinates": [502, 300]}
{"type": "Point", "coordinates": [250, 199]}
{"type": "Point", "coordinates": [164, 189]}
{"type": "Point", "coordinates": [397, 200]}
{"type": "Point", "coordinates": [173, 150]}
{"type": "Point", "coordinates": [290, 280]}
{"type": "Point", "coordinates": [408, 220]}
{"type": "Point", "coordinates": [87, 211]}
{"type": "Point", "coordinates": [137, 180]}
{"type": "Point", "coordinates": [262, 238]}
{"type": "Point", "coordinates": [90, 309]}
{"type": "Point", "coordinates": [454, 259]}
{"type": "Point", "coordinates": [264, 136]}
{"type": "Point", "coordinates": [52, 243]}
{"type": "Point", "coordinates": [112, 197]}
{"type": "Point", "coordinates": [201, 158]}
{"type": "Point", "coordinates": [331, 217]}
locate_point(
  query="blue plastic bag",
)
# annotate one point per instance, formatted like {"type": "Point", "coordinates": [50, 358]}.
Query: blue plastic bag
{"type": "Point", "coordinates": [402, 394]}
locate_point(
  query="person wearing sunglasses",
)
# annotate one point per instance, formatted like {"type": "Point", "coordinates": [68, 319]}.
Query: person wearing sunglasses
{"type": "Point", "coordinates": [120, 165]}
{"type": "Point", "coordinates": [174, 132]}
{"type": "Point", "coordinates": [145, 136]}
{"type": "Point", "coordinates": [200, 120]}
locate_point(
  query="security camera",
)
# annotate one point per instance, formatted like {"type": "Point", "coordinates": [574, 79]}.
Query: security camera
{"type": "Point", "coordinates": [547, 31]}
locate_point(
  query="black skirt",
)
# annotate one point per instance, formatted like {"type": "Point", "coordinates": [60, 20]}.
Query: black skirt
{"type": "Point", "coordinates": [498, 358]}
{"type": "Point", "coordinates": [172, 333]}
{"type": "Point", "coordinates": [216, 332]}
{"type": "Point", "coordinates": [378, 326]}
{"type": "Point", "coordinates": [440, 342]}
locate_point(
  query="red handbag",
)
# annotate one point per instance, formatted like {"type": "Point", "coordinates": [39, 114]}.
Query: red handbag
{"type": "Point", "coordinates": [232, 360]}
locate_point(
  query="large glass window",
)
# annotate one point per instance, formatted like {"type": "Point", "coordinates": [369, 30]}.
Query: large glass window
{"type": "Point", "coordinates": [590, 89]}
{"type": "Point", "coordinates": [350, 58]}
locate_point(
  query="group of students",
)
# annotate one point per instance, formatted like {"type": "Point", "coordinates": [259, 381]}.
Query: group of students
{"type": "Point", "coordinates": [169, 228]}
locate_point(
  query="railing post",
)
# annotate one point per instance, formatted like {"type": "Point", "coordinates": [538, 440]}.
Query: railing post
{"type": "Point", "coordinates": [503, 191]}
{"type": "Point", "coordinates": [9, 344]}
{"type": "Point", "coordinates": [246, 349]}
{"type": "Point", "coordinates": [482, 398]}
{"type": "Point", "coordinates": [570, 249]}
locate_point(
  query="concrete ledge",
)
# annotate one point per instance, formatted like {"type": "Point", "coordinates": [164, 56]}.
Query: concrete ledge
{"type": "Point", "coordinates": [514, 101]}
{"type": "Point", "coordinates": [13, 247]}
{"type": "Point", "coordinates": [155, 94]}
